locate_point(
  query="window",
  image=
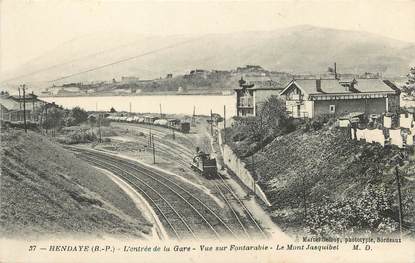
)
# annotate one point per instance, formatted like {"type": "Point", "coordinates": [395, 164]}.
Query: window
{"type": "Point", "coordinates": [332, 108]}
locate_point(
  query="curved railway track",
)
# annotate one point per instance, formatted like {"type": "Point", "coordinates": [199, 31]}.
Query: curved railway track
{"type": "Point", "coordinates": [239, 220]}
{"type": "Point", "coordinates": [195, 212]}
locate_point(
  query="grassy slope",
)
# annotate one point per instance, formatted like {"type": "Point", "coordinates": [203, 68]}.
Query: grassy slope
{"type": "Point", "coordinates": [46, 190]}
{"type": "Point", "coordinates": [334, 168]}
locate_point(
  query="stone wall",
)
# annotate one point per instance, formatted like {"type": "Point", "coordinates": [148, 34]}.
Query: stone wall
{"type": "Point", "coordinates": [238, 167]}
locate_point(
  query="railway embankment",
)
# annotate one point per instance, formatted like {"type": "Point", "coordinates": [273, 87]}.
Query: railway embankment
{"type": "Point", "coordinates": [321, 182]}
{"type": "Point", "coordinates": [45, 190]}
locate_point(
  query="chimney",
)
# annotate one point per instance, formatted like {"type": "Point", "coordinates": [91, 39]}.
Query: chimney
{"type": "Point", "coordinates": [318, 85]}
{"type": "Point", "coordinates": [335, 70]}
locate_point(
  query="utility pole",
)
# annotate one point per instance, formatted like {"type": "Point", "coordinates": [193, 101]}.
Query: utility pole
{"type": "Point", "coordinates": [224, 123]}
{"type": "Point", "coordinates": [399, 199]}
{"type": "Point", "coordinates": [130, 108]}
{"type": "Point", "coordinates": [154, 152]}
{"type": "Point", "coordinates": [174, 137]}
{"type": "Point", "coordinates": [211, 123]}
{"type": "Point", "coordinates": [24, 107]}
{"type": "Point", "coordinates": [304, 198]}
{"type": "Point", "coordinates": [20, 102]}
{"type": "Point", "coordinates": [253, 175]}
{"type": "Point", "coordinates": [99, 127]}
{"type": "Point", "coordinates": [193, 116]}
{"type": "Point", "coordinates": [46, 118]}
{"type": "Point", "coordinates": [161, 114]}
{"type": "Point", "coordinates": [149, 137]}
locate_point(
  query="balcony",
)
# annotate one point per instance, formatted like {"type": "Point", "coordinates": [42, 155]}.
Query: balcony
{"type": "Point", "coordinates": [246, 106]}
{"type": "Point", "coordinates": [296, 97]}
{"type": "Point", "coordinates": [245, 103]}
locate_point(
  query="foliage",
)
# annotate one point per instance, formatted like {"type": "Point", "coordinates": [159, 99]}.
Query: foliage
{"type": "Point", "coordinates": [250, 134]}
{"type": "Point", "coordinates": [76, 116]}
{"type": "Point", "coordinates": [369, 211]}
{"type": "Point", "coordinates": [271, 118]}
{"type": "Point", "coordinates": [54, 119]}
{"type": "Point", "coordinates": [318, 122]}
{"type": "Point", "coordinates": [409, 87]}
{"type": "Point", "coordinates": [112, 110]}
{"type": "Point", "coordinates": [76, 137]}
{"type": "Point", "coordinates": [275, 114]}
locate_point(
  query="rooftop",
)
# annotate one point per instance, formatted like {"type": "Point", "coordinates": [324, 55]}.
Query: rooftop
{"type": "Point", "coordinates": [333, 86]}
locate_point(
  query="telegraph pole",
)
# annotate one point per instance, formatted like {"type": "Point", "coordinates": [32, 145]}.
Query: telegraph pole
{"type": "Point", "coordinates": [130, 108]}
{"type": "Point", "coordinates": [174, 137]}
{"type": "Point", "coordinates": [46, 118]}
{"type": "Point", "coordinates": [224, 123]}
{"type": "Point", "coordinates": [20, 102]}
{"type": "Point", "coordinates": [304, 198]}
{"type": "Point", "coordinates": [24, 107]}
{"type": "Point", "coordinates": [161, 114]}
{"type": "Point", "coordinates": [253, 170]}
{"type": "Point", "coordinates": [193, 116]}
{"type": "Point", "coordinates": [211, 123]}
{"type": "Point", "coordinates": [154, 152]}
{"type": "Point", "coordinates": [149, 137]}
{"type": "Point", "coordinates": [99, 127]}
{"type": "Point", "coordinates": [399, 199]}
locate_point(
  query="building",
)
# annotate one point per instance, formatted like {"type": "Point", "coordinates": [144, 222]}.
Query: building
{"type": "Point", "coordinates": [308, 98]}
{"type": "Point", "coordinates": [254, 91]}
{"type": "Point", "coordinates": [130, 79]}
{"type": "Point", "coordinates": [12, 107]}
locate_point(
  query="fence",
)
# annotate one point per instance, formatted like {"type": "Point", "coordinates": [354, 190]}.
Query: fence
{"type": "Point", "coordinates": [238, 167]}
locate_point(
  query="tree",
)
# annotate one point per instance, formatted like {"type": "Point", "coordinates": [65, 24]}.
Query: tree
{"type": "Point", "coordinates": [274, 113]}
{"type": "Point", "coordinates": [409, 87]}
{"type": "Point", "coordinates": [79, 115]}
{"type": "Point", "coordinates": [112, 110]}
{"type": "Point", "coordinates": [271, 118]}
{"type": "Point", "coordinates": [54, 119]}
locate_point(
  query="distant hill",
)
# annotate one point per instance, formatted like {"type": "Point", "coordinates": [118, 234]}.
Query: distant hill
{"type": "Point", "coordinates": [299, 49]}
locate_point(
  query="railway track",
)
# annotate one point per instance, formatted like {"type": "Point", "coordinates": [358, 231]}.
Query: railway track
{"type": "Point", "coordinates": [248, 223]}
{"type": "Point", "coordinates": [191, 215]}
{"type": "Point", "coordinates": [239, 220]}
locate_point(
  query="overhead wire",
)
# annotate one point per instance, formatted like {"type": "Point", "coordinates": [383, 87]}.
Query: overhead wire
{"type": "Point", "coordinates": [101, 66]}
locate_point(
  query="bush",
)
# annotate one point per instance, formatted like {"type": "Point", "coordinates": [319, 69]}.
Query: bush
{"type": "Point", "coordinates": [371, 211]}
{"type": "Point", "coordinates": [239, 136]}
{"type": "Point", "coordinates": [76, 137]}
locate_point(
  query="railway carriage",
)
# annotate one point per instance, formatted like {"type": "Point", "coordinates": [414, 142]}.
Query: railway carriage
{"type": "Point", "coordinates": [177, 124]}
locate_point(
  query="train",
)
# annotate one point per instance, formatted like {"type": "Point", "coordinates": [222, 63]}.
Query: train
{"type": "Point", "coordinates": [204, 164]}
{"type": "Point", "coordinates": [179, 125]}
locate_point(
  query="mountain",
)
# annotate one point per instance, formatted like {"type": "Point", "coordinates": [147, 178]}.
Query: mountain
{"type": "Point", "coordinates": [299, 49]}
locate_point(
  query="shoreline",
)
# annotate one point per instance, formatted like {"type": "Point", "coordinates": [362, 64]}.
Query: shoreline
{"type": "Point", "coordinates": [136, 95]}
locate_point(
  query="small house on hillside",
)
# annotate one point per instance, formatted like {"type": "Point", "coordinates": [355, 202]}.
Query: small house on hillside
{"type": "Point", "coordinates": [12, 107]}
{"type": "Point", "coordinates": [254, 91]}
{"type": "Point", "coordinates": [308, 98]}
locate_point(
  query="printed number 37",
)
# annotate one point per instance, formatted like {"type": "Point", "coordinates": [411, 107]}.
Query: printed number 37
{"type": "Point", "coordinates": [32, 248]}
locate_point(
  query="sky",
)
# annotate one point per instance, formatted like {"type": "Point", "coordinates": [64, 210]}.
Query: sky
{"type": "Point", "coordinates": [30, 28]}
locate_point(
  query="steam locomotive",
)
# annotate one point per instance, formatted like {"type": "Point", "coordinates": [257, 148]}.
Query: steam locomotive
{"type": "Point", "coordinates": [204, 164]}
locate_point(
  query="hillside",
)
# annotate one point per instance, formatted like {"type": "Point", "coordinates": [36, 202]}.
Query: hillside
{"type": "Point", "coordinates": [46, 190]}
{"type": "Point", "coordinates": [349, 186]}
{"type": "Point", "coordinates": [299, 49]}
